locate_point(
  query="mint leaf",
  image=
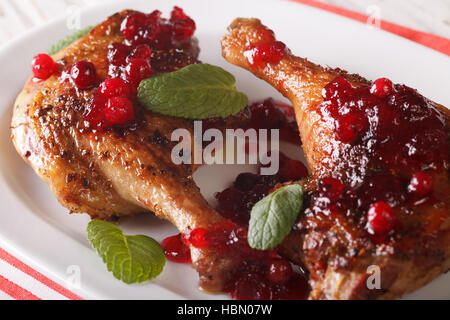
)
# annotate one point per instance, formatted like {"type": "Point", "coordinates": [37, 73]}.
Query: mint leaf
{"type": "Point", "coordinates": [272, 218]}
{"type": "Point", "coordinates": [130, 258]}
{"type": "Point", "coordinates": [197, 91]}
{"type": "Point", "coordinates": [63, 43]}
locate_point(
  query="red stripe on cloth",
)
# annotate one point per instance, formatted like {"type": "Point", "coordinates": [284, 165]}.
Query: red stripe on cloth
{"type": "Point", "coordinates": [429, 40]}
{"type": "Point", "coordinates": [36, 275]}
{"type": "Point", "coordinates": [15, 291]}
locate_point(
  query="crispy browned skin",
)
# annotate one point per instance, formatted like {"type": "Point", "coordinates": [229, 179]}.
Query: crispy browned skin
{"type": "Point", "coordinates": [111, 174]}
{"type": "Point", "coordinates": [335, 250]}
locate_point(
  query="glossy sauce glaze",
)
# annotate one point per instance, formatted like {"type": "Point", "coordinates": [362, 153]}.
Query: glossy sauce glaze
{"type": "Point", "coordinates": [259, 274]}
{"type": "Point", "coordinates": [377, 195]}
{"type": "Point", "coordinates": [149, 45]}
{"type": "Point", "coordinates": [407, 140]}
{"type": "Point", "coordinates": [403, 135]}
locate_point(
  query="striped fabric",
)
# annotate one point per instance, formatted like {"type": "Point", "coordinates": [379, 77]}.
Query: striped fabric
{"type": "Point", "coordinates": [429, 40]}
{"type": "Point", "coordinates": [21, 282]}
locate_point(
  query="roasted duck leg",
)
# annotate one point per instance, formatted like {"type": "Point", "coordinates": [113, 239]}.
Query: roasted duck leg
{"type": "Point", "coordinates": [116, 172]}
{"type": "Point", "coordinates": [379, 195]}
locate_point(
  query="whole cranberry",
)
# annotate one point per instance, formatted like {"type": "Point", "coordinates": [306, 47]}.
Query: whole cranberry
{"type": "Point", "coordinates": [338, 87]}
{"type": "Point", "coordinates": [350, 126]}
{"type": "Point", "coordinates": [119, 110]}
{"type": "Point", "coordinates": [43, 66]}
{"type": "Point", "coordinates": [279, 271]}
{"type": "Point", "coordinates": [83, 74]}
{"type": "Point", "coordinates": [137, 70]}
{"type": "Point", "coordinates": [381, 217]}
{"type": "Point", "coordinates": [154, 18]}
{"type": "Point", "coordinates": [117, 53]}
{"type": "Point", "coordinates": [139, 28]}
{"type": "Point", "coordinates": [141, 51]}
{"type": "Point", "coordinates": [132, 24]}
{"type": "Point", "coordinates": [183, 27]}
{"type": "Point", "coordinates": [382, 87]}
{"type": "Point", "coordinates": [178, 14]}
{"type": "Point", "coordinates": [114, 87]}
{"type": "Point", "coordinates": [421, 183]}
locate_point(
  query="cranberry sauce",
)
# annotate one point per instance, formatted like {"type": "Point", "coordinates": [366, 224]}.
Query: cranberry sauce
{"type": "Point", "coordinates": [259, 274]}
{"type": "Point", "coordinates": [151, 44]}
{"type": "Point", "coordinates": [176, 250]}
{"type": "Point", "coordinates": [405, 141]}
{"type": "Point", "coordinates": [271, 114]}
{"type": "Point", "coordinates": [266, 50]}
{"type": "Point", "coordinates": [236, 202]}
{"type": "Point", "coordinates": [394, 123]}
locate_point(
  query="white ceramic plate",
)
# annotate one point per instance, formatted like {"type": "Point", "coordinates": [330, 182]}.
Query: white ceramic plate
{"type": "Point", "coordinates": [36, 228]}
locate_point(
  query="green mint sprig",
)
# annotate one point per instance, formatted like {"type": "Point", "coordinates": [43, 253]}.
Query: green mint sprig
{"type": "Point", "coordinates": [130, 258]}
{"type": "Point", "coordinates": [272, 218]}
{"type": "Point", "coordinates": [197, 91]}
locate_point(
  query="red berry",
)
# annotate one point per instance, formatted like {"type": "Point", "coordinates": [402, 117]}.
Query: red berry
{"type": "Point", "coordinates": [382, 87]}
{"type": "Point", "coordinates": [175, 250]}
{"type": "Point", "coordinates": [261, 54]}
{"type": "Point", "coordinates": [119, 110]}
{"type": "Point", "coordinates": [178, 13]}
{"type": "Point", "coordinates": [279, 271]}
{"type": "Point", "coordinates": [421, 183]}
{"type": "Point", "coordinates": [183, 27]}
{"type": "Point", "coordinates": [142, 51]}
{"type": "Point", "coordinates": [339, 86]}
{"type": "Point", "coordinates": [83, 74]}
{"type": "Point", "coordinates": [132, 24]}
{"type": "Point", "coordinates": [331, 188]}
{"type": "Point", "coordinates": [154, 18]}
{"type": "Point", "coordinates": [139, 28]}
{"type": "Point", "coordinates": [117, 53]}
{"type": "Point", "coordinates": [137, 70]}
{"type": "Point", "coordinates": [381, 217]}
{"type": "Point", "coordinates": [114, 87]}
{"type": "Point", "coordinates": [43, 66]}
{"type": "Point", "coordinates": [293, 170]}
